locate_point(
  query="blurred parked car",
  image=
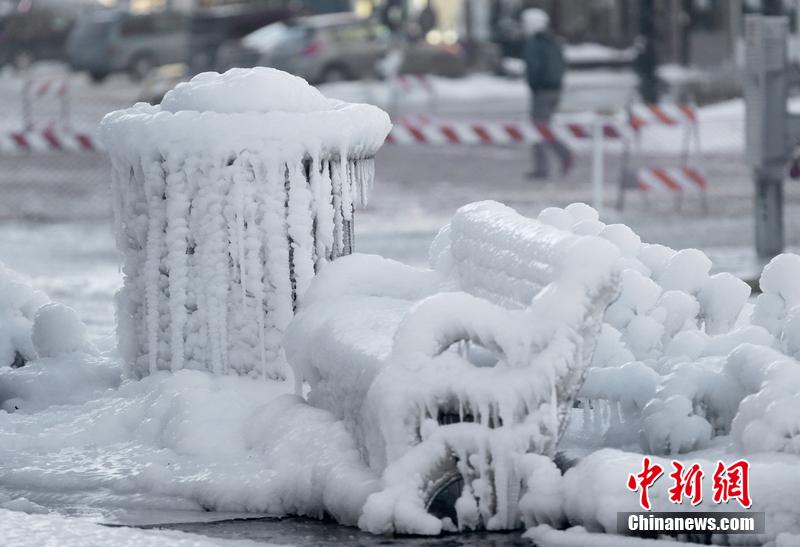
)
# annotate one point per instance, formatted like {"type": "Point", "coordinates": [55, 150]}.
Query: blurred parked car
{"type": "Point", "coordinates": [34, 31]}
{"type": "Point", "coordinates": [325, 48]}
{"type": "Point", "coordinates": [108, 41]}
{"type": "Point", "coordinates": [160, 80]}
{"type": "Point", "coordinates": [211, 27]}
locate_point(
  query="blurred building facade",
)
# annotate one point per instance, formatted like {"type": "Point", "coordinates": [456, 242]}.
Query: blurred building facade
{"type": "Point", "coordinates": [191, 5]}
{"type": "Point", "coordinates": [690, 32]}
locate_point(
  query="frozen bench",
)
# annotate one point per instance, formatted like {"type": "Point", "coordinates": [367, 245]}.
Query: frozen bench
{"type": "Point", "coordinates": [446, 376]}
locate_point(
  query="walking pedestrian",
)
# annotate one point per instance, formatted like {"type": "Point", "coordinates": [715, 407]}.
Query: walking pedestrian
{"type": "Point", "coordinates": [545, 68]}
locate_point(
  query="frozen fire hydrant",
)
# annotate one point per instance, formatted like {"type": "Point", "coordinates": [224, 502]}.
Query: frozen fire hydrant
{"type": "Point", "coordinates": [228, 197]}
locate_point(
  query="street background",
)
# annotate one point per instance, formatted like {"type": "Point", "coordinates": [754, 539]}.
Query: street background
{"type": "Point", "coordinates": [56, 206]}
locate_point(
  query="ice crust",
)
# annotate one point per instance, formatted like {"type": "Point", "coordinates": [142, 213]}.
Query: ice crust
{"type": "Point", "coordinates": [242, 90]}
{"type": "Point", "coordinates": [256, 109]}
{"type": "Point", "coordinates": [228, 198]}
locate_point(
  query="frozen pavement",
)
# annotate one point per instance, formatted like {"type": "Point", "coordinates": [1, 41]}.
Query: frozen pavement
{"type": "Point", "coordinates": [314, 533]}
{"type": "Point", "coordinates": [19, 529]}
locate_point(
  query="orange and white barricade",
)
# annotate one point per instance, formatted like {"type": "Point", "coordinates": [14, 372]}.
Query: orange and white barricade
{"type": "Point", "coordinates": [678, 181]}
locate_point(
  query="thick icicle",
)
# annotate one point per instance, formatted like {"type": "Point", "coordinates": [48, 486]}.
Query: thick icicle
{"type": "Point", "coordinates": [154, 182]}
{"type": "Point", "coordinates": [324, 212]}
{"type": "Point", "coordinates": [177, 231]}
{"type": "Point", "coordinates": [337, 183]}
{"type": "Point", "coordinates": [300, 228]}
{"type": "Point", "coordinates": [279, 297]}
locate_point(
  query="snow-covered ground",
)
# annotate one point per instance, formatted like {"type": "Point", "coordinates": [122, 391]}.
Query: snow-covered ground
{"type": "Point", "coordinates": [18, 528]}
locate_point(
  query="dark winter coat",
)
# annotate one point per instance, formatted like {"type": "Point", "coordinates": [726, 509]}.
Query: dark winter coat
{"type": "Point", "coordinates": [544, 62]}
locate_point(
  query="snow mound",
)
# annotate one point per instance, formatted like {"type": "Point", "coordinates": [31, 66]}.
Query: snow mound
{"type": "Point", "coordinates": [45, 357]}
{"type": "Point", "coordinates": [189, 440]}
{"type": "Point", "coordinates": [675, 319]}
{"type": "Point", "coordinates": [778, 307]}
{"type": "Point", "coordinates": [57, 329]}
{"type": "Point", "coordinates": [31, 326]}
{"type": "Point", "coordinates": [259, 89]}
{"type": "Point", "coordinates": [768, 419]}
{"type": "Point", "coordinates": [18, 306]}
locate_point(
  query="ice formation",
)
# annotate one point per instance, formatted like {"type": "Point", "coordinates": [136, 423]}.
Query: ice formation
{"type": "Point", "coordinates": [57, 329]}
{"type": "Point", "coordinates": [677, 364]}
{"type": "Point", "coordinates": [228, 198]}
{"type": "Point", "coordinates": [458, 371]}
{"type": "Point", "coordinates": [661, 377]}
{"type": "Point", "coordinates": [31, 326]}
{"type": "Point", "coordinates": [45, 357]}
{"type": "Point", "coordinates": [777, 309]}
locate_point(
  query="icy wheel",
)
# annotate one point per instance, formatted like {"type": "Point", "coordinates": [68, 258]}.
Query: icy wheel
{"type": "Point", "coordinates": [441, 496]}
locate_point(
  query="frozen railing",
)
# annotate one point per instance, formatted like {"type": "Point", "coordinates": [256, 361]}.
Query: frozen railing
{"type": "Point", "coordinates": [448, 378]}
{"type": "Point", "coordinates": [228, 197]}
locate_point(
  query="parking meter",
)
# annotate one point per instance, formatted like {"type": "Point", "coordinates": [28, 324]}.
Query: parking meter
{"type": "Point", "coordinates": [770, 131]}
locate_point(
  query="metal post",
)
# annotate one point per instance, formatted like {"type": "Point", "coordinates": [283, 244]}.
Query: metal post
{"type": "Point", "coordinates": [772, 7]}
{"type": "Point", "coordinates": [27, 106]}
{"type": "Point", "coordinates": [64, 104]}
{"type": "Point", "coordinates": [769, 127]}
{"type": "Point", "coordinates": [597, 165]}
{"type": "Point", "coordinates": [769, 214]}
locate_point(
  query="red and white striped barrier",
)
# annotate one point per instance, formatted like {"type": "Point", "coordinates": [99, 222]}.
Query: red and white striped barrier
{"type": "Point", "coordinates": [422, 129]}
{"type": "Point", "coordinates": [672, 115]}
{"type": "Point", "coordinates": [671, 179]}
{"type": "Point", "coordinates": [37, 91]}
{"type": "Point", "coordinates": [412, 82]}
{"type": "Point", "coordinates": [46, 140]}
{"type": "Point", "coordinates": [438, 132]}
{"type": "Point", "coordinates": [52, 87]}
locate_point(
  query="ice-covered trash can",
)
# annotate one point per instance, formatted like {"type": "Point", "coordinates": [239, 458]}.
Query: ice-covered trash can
{"type": "Point", "coordinates": [227, 198]}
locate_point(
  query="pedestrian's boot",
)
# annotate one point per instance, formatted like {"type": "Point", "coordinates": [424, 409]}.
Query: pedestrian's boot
{"type": "Point", "coordinates": [566, 156]}
{"type": "Point", "coordinates": [536, 174]}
